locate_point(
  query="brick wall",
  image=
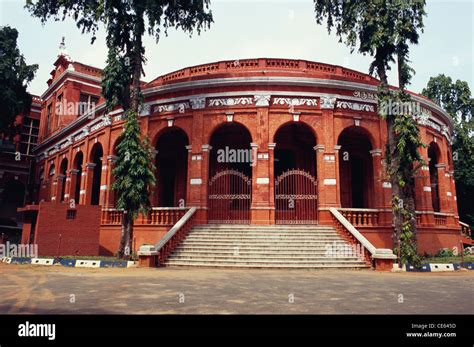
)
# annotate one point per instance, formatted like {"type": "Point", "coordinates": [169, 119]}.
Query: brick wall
{"type": "Point", "coordinates": [57, 235]}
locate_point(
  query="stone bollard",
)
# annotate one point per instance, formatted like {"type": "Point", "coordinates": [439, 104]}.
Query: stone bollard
{"type": "Point", "coordinates": [147, 255]}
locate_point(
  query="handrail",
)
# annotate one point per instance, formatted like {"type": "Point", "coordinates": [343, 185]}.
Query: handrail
{"type": "Point", "coordinates": [377, 253]}
{"type": "Point", "coordinates": [169, 235]}
{"type": "Point", "coordinates": [171, 239]}
{"type": "Point", "coordinates": [361, 209]}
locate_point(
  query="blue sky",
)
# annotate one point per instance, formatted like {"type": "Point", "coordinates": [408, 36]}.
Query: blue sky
{"type": "Point", "coordinates": [254, 29]}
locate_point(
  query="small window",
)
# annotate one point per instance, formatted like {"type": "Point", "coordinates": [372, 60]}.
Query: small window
{"type": "Point", "coordinates": [71, 214]}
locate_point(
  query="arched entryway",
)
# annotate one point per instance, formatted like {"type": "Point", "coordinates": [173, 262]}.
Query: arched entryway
{"type": "Point", "coordinates": [96, 158]}
{"type": "Point", "coordinates": [63, 173]}
{"type": "Point", "coordinates": [295, 175]}
{"type": "Point", "coordinates": [171, 168]}
{"type": "Point", "coordinates": [433, 157]}
{"type": "Point", "coordinates": [77, 166]}
{"type": "Point", "coordinates": [355, 168]}
{"type": "Point", "coordinates": [230, 174]}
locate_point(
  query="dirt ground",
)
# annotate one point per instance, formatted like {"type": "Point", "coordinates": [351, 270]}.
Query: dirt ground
{"type": "Point", "coordinates": [57, 290]}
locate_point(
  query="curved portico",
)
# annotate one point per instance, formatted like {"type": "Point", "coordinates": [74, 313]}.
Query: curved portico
{"type": "Point", "coordinates": [310, 126]}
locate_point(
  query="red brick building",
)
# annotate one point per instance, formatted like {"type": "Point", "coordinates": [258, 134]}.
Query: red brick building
{"type": "Point", "coordinates": [17, 169]}
{"type": "Point", "coordinates": [259, 141]}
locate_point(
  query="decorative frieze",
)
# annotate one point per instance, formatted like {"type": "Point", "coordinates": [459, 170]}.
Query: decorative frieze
{"type": "Point", "coordinates": [145, 110]}
{"type": "Point", "coordinates": [295, 102]}
{"type": "Point", "coordinates": [262, 100]}
{"type": "Point", "coordinates": [365, 95]}
{"type": "Point", "coordinates": [327, 102]}
{"type": "Point", "coordinates": [197, 103]}
{"type": "Point", "coordinates": [218, 102]}
{"type": "Point", "coordinates": [178, 106]}
{"type": "Point", "coordinates": [355, 106]}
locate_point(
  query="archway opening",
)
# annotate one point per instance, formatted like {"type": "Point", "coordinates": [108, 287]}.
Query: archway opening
{"type": "Point", "coordinates": [433, 157]}
{"type": "Point", "coordinates": [230, 174]}
{"type": "Point", "coordinates": [295, 175]}
{"type": "Point", "coordinates": [77, 165]}
{"type": "Point", "coordinates": [171, 168]}
{"type": "Point", "coordinates": [96, 156]}
{"type": "Point", "coordinates": [355, 168]}
{"type": "Point", "coordinates": [231, 149]}
{"type": "Point", "coordinates": [295, 149]}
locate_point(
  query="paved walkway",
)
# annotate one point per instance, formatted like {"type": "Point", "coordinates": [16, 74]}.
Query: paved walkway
{"type": "Point", "coordinates": [30, 289]}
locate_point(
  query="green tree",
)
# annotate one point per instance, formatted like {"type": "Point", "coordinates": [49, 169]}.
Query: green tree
{"type": "Point", "coordinates": [384, 29]}
{"type": "Point", "coordinates": [15, 75]}
{"type": "Point", "coordinates": [456, 99]}
{"type": "Point", "coordinates": [126, 22]}
{"type": "Point", "coordinates": [134, 174]}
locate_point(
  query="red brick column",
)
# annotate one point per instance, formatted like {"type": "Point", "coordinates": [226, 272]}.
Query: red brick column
{"type": "Point", "coordinates": [199, 183]}
{"type": "Point", "coordinates": [87, 180]}
{"type": "Point", "coordinates": [423, 192]}
{"type": "Point", "coordinates": [454, 202]}
{"type": "Point", "coordinates": [271, 176]}
{"type": "Point", "coordinates": [260, 208]}
{"type": "Point", "coordinates": [104, 173]}
{"type": "Point", "coordinates": [60, 181]}
{"type": "Point", "coordinates": [73, 177]}
{"type": "Point", "coordinates": [328, 183]}
{"type": "Point", "coordinates": [442, 188]}
{"type": "Point", "coordinates": [378, 178]}
{"type": "Point", "coordinates": [109, 180]}
{"type": "Point", "coordinates": [54, 189]}
{"type": "Point", "coordinates": [67, 188]}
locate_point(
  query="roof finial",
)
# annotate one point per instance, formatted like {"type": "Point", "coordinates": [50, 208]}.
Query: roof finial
{"type": "Point", "coordinates": [62, 49]}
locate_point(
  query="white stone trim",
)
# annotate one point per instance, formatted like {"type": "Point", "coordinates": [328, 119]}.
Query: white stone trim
{"type": "Point", "coordinates": [195, 181]}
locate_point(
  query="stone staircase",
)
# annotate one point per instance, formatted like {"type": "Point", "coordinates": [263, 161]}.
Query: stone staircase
{"type": "Point", "coordinates": [276, 246]}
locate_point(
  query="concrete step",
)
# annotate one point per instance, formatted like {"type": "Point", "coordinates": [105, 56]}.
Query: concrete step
{"type": "Point", "coordinates": [262, 243]}
{"type": "Point", "coordinates": [285, 265]}
{"type": "Point", "coordinates": [256, 252]}
{"type": "Point", "coordinates": [264, 258]}
{"type": "Point", "coordinates": [261, 233]}
{"type": "Point", "coordinates": [275, 246]}
{"type": "Point", "coordinates": [266, 238]}
{"type": "Point", "coordinates": [259, 228]}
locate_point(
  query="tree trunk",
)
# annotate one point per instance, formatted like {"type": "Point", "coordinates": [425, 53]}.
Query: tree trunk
{"type": "Point", "coordinates": [137, 57]}
{"type": "Point", "coordinates": [123, 237]}
{"type": "Point", "coordinates": [392, 167]}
